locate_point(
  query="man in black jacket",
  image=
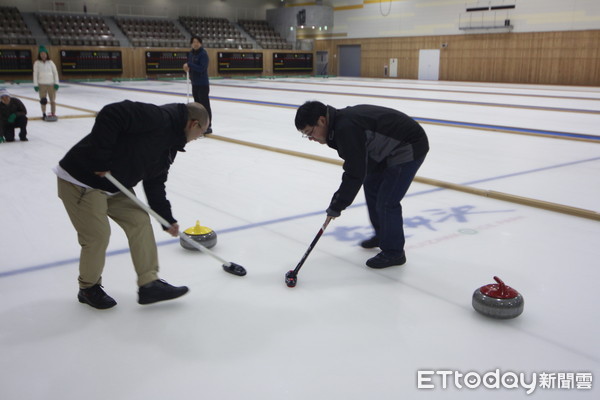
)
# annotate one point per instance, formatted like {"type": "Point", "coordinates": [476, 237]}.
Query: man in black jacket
{"type": "Point", "coordinates": [135, 142]}
{"type": "Point", "coordinates": [382, 149]}
{"type": "Point", "coordinates": [13, 114]}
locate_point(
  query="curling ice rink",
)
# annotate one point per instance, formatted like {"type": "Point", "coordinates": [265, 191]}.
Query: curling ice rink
{"type": "Point", "coordinates": [346, 331]}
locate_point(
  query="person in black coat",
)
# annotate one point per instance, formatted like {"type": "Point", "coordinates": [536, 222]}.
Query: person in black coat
{"type": "Point", "coordinates": [135, 142]}
{"type": "Point", "coordinates": [382, 149]}
{"type": "Point", "coordinates": [197, 67]}
{"type": "Point", "coordinates": [13, 114]}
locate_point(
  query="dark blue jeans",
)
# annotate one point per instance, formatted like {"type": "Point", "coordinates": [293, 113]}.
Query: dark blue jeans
{"type": "Point", "coordinates": [384, 190]}
{"type": "Point", "coordinates": [200, 94]}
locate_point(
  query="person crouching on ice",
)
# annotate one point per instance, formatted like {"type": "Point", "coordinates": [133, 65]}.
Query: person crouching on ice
{"type": "Point", "coordinates": [13, 114]}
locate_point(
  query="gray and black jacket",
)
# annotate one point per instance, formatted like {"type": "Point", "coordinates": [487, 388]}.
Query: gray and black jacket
{"type": "Point", "coordinates": [370, 138]}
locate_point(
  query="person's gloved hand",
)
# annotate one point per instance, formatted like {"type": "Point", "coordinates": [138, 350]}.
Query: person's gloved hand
{"type": "Point", "coordinates": [332, 213]}
{"type": "Point", "coordinates": [56, 86]}
{"type": "Point", "coordinates": [11, 118]}
{"type": "Point", "coordinates": [173, 229]}
{"type": "Point", "coordinates": [36, 88]}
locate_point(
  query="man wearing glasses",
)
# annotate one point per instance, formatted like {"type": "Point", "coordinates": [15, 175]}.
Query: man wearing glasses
{"type": "Point", "coordinates": [136, 142]}
{"type": "Point", "coordinates": [382, 149]}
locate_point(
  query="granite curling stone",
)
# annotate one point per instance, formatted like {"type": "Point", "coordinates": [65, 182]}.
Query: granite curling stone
{"type": "Point", "coordinates": [498, 300]}
{"type": "Point", "coordinates": [200, 234]}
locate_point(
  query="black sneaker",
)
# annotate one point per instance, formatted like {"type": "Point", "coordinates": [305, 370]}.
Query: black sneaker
{"type": "Point", "coordinates": [382, 260]}
{"type": "Point", "coordinates": [370, 243]}
{"type": "Point", "coordinates": [96, 297]}
{"type": "Point", "coordinates": [159, 290]}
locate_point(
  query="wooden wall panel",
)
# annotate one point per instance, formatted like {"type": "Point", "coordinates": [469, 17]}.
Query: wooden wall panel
{"type": "Point", "coordinates": [562, 58]}
{"type": "Point", "coordinates": [565, 58]}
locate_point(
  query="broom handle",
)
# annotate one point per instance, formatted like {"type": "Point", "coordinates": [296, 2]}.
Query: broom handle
{"type": "Point", "coordinates": [187, 84]}
{"type": "Point", "coordinates": [160, 219]}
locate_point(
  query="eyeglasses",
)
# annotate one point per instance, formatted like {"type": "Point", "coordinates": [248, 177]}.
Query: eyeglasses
{"type": "Point", "coordinates": [203, 135]}
{"type": "Point", "coordinates": [309, 134]}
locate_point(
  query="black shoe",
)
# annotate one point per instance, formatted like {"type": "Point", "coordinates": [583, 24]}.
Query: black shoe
{"type": "Point", "coordinates": [24, 139]}
{"type": "Point", "coordinates": [209, 130]}
{"type": "Point", "coordinates": [96, 297]}
{"type": "Point", "coordinates": [382, 260]}
{"type": "Point", "coordinates": [44, 116]}
{"type": "Point", "coordinates": [159, 290]}
{"type": "Point", "coordinates": [370, 243]}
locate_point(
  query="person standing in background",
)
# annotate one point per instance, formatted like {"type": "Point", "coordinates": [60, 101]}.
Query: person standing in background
{"type": "Point", "coordinates": [197, 67]}
{"type": "Point", "coordinates": [45, 82]}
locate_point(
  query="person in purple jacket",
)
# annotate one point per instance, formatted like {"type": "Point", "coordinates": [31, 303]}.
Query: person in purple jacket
{"type": "Point", "coordinates": [382, 149]}
{"type": "Point", "coordinates": [135, 142]}
{"type": "Point", "coordinates": [197, 67]}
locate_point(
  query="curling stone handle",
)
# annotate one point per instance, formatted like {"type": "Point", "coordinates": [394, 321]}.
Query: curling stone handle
{"type": "Point", "coordinates": [502, 286]}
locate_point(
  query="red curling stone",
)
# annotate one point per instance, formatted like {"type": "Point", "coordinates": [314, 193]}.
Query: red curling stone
{"type": "Point", "coordinates": [497, 300]}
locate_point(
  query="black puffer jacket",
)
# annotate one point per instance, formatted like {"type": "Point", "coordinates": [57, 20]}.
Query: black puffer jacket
{"type": "Point", "coordinates": [370, 138]}
{"type": "Point", "coordinates": [135, 142]}
{"type": "Point", "coordinates": [15, 106]}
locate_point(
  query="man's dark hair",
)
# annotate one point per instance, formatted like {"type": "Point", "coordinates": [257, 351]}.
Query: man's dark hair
{"type": "Point", "coordinates": [308, 114]}
{"type": "Point", "coordinates": [198, 38]}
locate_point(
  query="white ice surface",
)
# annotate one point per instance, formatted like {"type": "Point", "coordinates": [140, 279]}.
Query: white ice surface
{"type": "Point", "coordinates": [346, 331]}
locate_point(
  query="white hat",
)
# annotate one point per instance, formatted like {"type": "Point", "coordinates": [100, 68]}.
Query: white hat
{"type": "Point", "coordinates": [4, 92]}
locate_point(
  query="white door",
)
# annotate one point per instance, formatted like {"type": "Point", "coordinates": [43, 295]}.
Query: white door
{"type": "Point", "coordinates": [429, 65]}
{"type": "Point", "coordinates": [393, 67]}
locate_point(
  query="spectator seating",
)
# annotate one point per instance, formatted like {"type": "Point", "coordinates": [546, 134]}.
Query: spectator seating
{"type": "Point", "coordinates": [152, 32]}
{"type": "Point", "coordinates": [264, 34]}
{"type": "Point", "coordinates": [13, 29]}
{"type": "Point", "coordinates": [77, 30]}
{"type": "Point", "coordinates": [215, 32]}
{"type": "Point", "coordinates": [92, 30]}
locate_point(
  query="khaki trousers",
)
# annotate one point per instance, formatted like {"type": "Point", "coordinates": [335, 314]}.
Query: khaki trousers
{"type": "Point", "coordinates": [89, 210]}
{"type": "Point", "coordinates": [48, 90]}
